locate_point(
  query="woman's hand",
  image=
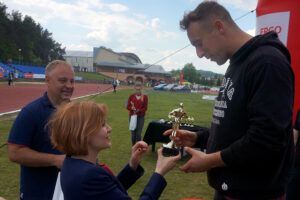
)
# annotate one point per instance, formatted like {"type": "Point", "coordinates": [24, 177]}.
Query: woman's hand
{"type": "Point", "coordinates": [137, 154]}
{"type": "Point", "coordinates": [165, 164]}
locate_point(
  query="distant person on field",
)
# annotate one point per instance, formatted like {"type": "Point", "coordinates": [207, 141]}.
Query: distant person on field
{"type": "Point", "coordinates": [29, 142]}
{"type": "Point", "coordinates": [10, 78]}
{"type": "Point", "coordinates": [79, 130]}
{"type": "Point", "coordinates": [16, 74]}
{"type": "Point", "coordinates": [293, 188]}
{"type": "Point", "coordinates": [115, 83]}
{"type": "Point", "coordinates": [249, 148]}
{"type": "Point", "coordinates": [137, 105]}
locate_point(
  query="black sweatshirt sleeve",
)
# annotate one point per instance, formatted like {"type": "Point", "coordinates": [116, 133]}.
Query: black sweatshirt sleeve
{"type": "Point", "coordinates": [270, 88]}
{"type": "Point", "coordinates": [297, 122]}
{"type": "Point", "coordinates": [202, 137]}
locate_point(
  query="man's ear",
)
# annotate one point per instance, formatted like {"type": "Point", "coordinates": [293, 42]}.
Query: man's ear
{"type": "Point", "coordinates": [219, 26]}
{"type": "Point", "coordinates": [47, 79]}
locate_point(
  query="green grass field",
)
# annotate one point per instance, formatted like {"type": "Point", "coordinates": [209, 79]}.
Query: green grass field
{"type": "Point", "coordinates": [93, 76]}
{"type": "Point", "coordinates": [180, 185]}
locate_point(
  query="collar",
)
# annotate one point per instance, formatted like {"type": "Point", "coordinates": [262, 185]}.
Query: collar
{"type": "Point", "coordinates": [105, 166]}
{"type": "Point", "coordinates": [46, 101]}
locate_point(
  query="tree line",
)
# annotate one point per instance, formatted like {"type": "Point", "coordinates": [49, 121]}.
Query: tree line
{"type": "Point", "coordinates": [198, 76]}
{"type": "Point", "coordinates": [24, 40]}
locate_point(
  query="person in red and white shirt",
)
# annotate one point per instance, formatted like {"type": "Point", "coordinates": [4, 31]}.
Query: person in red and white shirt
{"type": "Point", "coordinates": [137, 105]}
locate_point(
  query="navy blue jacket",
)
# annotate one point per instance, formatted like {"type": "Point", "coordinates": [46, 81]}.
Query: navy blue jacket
{"type": "Point", "coordinates": [84, 180]}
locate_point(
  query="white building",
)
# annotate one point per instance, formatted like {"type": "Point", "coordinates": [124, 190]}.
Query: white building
{"type": "Point", "coordinates": [80, 60]}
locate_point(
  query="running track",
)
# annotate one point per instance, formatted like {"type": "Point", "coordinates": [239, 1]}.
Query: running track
{"type": "Point", "coordinates": [15, 97]}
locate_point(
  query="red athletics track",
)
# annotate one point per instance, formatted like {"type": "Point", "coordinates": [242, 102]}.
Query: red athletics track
{"type": "Point", "coordinates": [16, 97]}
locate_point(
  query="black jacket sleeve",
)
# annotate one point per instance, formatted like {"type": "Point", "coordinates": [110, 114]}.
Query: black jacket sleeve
{"type": "Point", "coordinates": [297, 122]}
{"type": "Point", "coordinates": [202, 138]}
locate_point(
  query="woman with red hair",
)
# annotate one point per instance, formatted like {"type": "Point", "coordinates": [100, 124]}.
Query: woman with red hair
{"type": "Point", "coordinates": [79, 130]}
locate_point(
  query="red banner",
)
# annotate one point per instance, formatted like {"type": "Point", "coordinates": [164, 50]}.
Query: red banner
{"type": "Point", "coordinates": [181, 78]}
{"type": "Point", "coordinates": [28, 75]}
{"type": "Point", "coordinates": [283, 17]}
{"type": "Point", "coordinates": [1, 74]}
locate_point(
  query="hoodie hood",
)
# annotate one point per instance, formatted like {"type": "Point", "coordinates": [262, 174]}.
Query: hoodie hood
{"type": "Point", "coordinates": [268, 39]}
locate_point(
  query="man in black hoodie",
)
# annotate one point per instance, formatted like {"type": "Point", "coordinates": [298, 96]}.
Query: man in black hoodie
{"type": "Point", "coordinates": [293, 192]}
{"type": "Point", "coordinates": [250, 145]}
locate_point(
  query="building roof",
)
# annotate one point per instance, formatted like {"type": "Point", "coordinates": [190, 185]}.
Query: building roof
{"type": "Point", "coordinates": [126, 54]}
{"type": "Point", "coordinates": [124, 65]}
{"type": "Point", "coordinates": [132, 55]}
{"type": "Point", "coordinates": [95, 53]}
{"type": "Point", "coordinates": [155, 69]}
{"type": "Point", "coordinates": [79, 53]}
{"type": "Point", "coordinates": [140, 67]}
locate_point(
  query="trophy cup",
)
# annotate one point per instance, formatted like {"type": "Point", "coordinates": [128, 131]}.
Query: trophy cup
{"type": "Point", "coordinates": [132, 105]}
{"type": "Point", "coordinates": [170, 149]}
{"type": "Point", "coordinates": [192, 122]}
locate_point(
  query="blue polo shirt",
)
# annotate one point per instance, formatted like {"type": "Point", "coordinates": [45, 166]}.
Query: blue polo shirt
{"type": "Point", "coordinates": [29, 130]}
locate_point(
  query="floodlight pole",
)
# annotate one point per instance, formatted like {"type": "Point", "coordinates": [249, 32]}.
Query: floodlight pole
{"type": "Point", "coordinates": [20, 56]}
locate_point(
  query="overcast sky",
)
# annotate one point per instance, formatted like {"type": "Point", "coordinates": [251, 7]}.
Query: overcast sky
{"type": "Point", "coordinates": [148, 28]}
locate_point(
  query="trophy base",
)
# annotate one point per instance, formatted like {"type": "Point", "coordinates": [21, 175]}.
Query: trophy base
{"type": "Point", "coordinates": [170, 151]}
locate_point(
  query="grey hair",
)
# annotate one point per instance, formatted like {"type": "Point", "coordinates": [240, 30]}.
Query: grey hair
{"type": "Point", "coordinates": [53, 64]}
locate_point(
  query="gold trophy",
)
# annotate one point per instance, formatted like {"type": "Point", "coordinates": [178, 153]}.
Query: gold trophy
{"type": "Point", "coordinates": [178, 114]}
{"type": "Point", "coordinates": [132, 107]}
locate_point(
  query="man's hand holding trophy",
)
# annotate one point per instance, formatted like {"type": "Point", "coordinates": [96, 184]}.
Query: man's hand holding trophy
{"type": "Point", "coordinates": [176, 116]}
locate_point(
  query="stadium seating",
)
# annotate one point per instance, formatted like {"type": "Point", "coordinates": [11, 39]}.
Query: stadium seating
{"type": "Point", "coordinates": [6, 69]}
{"type": "Point", "coordinates": [29, 69]}
{"type": "Point", "coordinates": [22, 69]}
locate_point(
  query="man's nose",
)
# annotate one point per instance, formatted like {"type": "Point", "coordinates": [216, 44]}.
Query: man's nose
{"type": "Point", "coordinates": [200, 52]}
{"type": "Point", "coordinates": [70, 84]}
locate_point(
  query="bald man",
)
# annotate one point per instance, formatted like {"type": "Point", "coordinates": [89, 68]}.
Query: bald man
{"type": "Point", "coordinates": [29, 143]}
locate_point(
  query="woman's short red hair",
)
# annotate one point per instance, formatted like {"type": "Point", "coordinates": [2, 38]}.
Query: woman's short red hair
{"type": "Point", "coordinates": [73, 122]}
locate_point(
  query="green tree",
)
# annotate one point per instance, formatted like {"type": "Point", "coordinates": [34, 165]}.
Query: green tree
{"type": "Point", "coordinates": [175, 72]}
{"type": "Point", "coordinates": [24, 38]}
{"type": "Point", "coordinates": [190, 73]}
{"type": "Point", "coordinates": [219, 82]}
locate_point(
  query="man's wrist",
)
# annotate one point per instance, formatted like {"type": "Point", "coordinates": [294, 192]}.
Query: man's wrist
{"type": "Point", "coordinates": [215, 160]}
{"type": "Point", "coordinates": [195, 138]}
{"type": "Point", "coordinates": [54, 160]}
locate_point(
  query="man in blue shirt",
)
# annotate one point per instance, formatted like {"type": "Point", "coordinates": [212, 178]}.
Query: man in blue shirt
{"type": "Point", "coordinates": [29, 143]}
